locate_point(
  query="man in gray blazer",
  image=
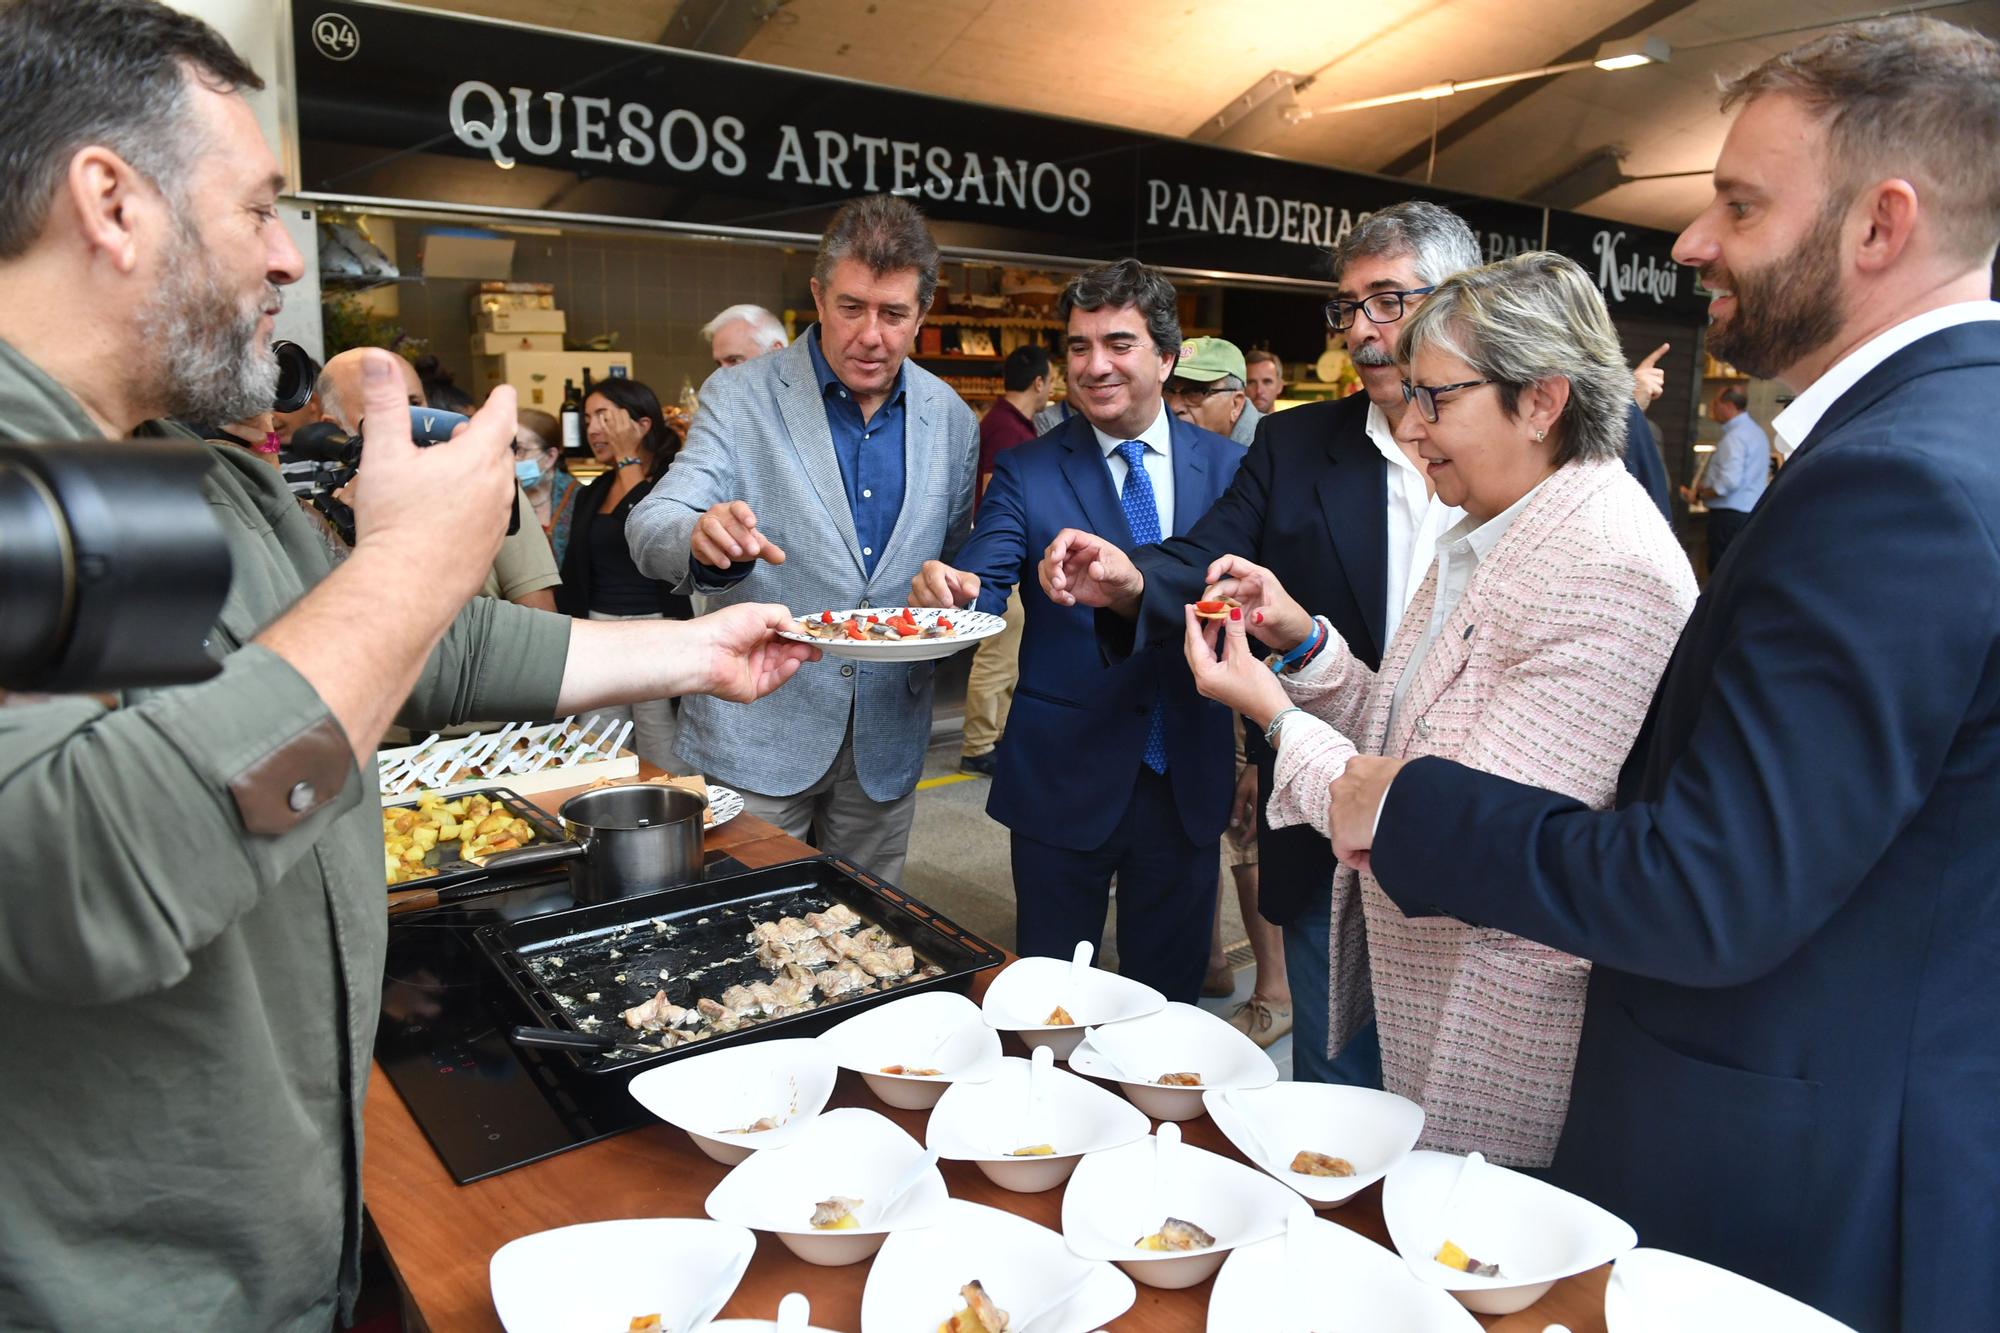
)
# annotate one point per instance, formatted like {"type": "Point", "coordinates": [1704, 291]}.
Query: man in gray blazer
{"type": "Point", "coordinates": [824, 476]}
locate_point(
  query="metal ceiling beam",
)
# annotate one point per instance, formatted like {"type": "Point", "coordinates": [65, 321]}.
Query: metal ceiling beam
{"type": "Point", "coordinates": [1638, 21]}
{"type": "Point", "coordinates": [719, 27]}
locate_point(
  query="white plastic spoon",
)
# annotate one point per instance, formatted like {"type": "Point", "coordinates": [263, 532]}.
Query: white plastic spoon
{"type": "Point", "coordinates": [794, 1313]}
{"type": "Point", "coordinates": [1166, 1161]}
{"type": "Point", "coordinates": [1079, 966]}
{"type": "Point", "coordinates": [1473, 1162]}
{"type": "Point", "coordinates": [902, 1187]}
{"type": "Point", "coordinates": [1260, 1149]}
{"type": "Point", "coordinates": [1041, 1061]}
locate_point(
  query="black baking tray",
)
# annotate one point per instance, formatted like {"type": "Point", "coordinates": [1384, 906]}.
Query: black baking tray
{"type": "Point", "coordinates": [698, 934]}
{"type": "Point", "coordinates": [451, 870]}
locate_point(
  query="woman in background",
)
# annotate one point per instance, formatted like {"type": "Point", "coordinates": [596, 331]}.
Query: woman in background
{"type": "Point", "coordinates": [539, 467]}
{"type": "Point", "coordinates": [622, 421]}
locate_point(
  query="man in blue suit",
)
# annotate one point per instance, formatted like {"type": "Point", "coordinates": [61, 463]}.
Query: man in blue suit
{"type": "Point", "coordinates": [1106, 769]}
{"type": "Point", "coordinates": [1789, 1062]}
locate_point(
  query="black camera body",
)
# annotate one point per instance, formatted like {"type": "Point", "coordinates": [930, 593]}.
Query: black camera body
{"type": "Point", "coordinates": [334, 456]}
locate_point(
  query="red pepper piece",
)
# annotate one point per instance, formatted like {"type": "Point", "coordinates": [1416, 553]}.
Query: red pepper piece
{"type": "Point", "coordinates": [826, 617]}
{"type": "Point", "coordinates": [853, 629]}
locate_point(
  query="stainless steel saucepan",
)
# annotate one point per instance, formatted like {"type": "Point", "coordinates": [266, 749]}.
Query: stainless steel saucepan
{"type": "Point", "coordinates": [625, 841]}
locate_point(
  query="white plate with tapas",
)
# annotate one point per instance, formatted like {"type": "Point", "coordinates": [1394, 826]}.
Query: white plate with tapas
{"type": "Point", "coordinates": [893, 633]}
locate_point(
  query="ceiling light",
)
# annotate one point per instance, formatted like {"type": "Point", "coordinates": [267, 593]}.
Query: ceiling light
{"type": "Point", "coordinates": [1632, 53]}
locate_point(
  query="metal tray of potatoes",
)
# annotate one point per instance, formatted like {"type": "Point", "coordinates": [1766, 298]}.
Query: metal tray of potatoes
{"type": "Point", "coordinates": [446, 858]}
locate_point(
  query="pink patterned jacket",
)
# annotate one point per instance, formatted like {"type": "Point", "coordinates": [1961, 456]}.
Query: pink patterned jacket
{"type": "Point", "coordinates": [1542, 673]}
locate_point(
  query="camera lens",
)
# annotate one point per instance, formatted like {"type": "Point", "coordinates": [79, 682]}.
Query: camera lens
{"type": "Point", "coordinates": [298, 373]}
{"type": "Point", "coordinates": [112, 566]}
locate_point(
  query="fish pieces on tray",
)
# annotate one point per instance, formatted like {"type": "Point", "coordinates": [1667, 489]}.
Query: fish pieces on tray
{"type": "Point", "coordinates": [878, 626]}
{"type": "Point", "coordinates": [808, 960]}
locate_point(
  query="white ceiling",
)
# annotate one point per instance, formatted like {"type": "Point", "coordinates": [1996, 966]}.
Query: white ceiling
{"type": "Point", "coordinates": [1169, 67]}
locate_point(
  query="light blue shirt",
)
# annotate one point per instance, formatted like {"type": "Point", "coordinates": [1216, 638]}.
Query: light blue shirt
{"type": "Point", "coordinates": [1740, 465]}
{"type": "Point", "coordinates": [1159, 441]}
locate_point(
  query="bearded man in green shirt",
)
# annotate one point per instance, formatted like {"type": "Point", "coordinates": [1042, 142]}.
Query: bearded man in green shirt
{"type": "Point", "coordinates": [191, 913]}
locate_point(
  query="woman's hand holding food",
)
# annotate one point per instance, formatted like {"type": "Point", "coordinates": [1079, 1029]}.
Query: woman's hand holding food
{"type": "Point", "coordinates": [1268, 610]}
{"type": "Point", "coordinates": [1237, 676]}
{"type": "Point", "coordinates": [938, 584]}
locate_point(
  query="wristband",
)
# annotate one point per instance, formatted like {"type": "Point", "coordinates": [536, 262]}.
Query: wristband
{"type": "Point", "coordinates": [1271, 732]}
{"type": "Point", "coordinates": [1304, 651]}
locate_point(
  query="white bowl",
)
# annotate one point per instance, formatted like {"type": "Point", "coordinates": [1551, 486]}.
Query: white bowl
{"type": "Point", "coordinates": [915, 1281]}
{"type": "Point", "coordinates": [1119, 1196]}
{"type": "Point", "coordinates": [1022, 996]}
{"type": "Point", "coordinates": [1335, 1270]}
{"type": "Point", "coordinates": [1657, 1291]}
{"type": "Point", "coordinates": [907, 1032]}
{"type": "Point", "coordinates": [983, 1123]}
{"type": "Point", "coordinates": [1179, 1038]}
{"type": "Point", "coordinates": [683, 1269]}
{"type": "Point", "coordinates": [1538, 1234]}
{"type": "Point", "coordinates": [1373, 1130]}
{"type": "Point", "coordinates": [843, 1152]}
{"type": "Point", "coordinates": [709, 1095]}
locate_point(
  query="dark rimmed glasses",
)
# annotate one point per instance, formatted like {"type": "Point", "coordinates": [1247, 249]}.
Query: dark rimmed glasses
{"type": "Point", "coordinates": [1380, 307]}
{"type": "Point", "coordinates": [1425, 396]}
{"type": "Point", "coordinates": [1196, 393]}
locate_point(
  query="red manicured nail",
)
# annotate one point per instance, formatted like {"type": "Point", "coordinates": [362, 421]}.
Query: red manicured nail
{"type": "Point", "coordinates": [1258, 618]}
{"type": "Point", "coordinates": [1236, 613]}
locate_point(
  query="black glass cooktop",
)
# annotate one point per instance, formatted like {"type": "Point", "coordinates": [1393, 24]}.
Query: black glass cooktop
{"type": "Point", "coordinates": [485, 1104]}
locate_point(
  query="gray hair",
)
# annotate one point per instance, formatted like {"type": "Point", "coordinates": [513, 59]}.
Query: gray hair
{"type": "Point", "coordinates": [1128, 283]}
{"type": "Point", "coordinates": [1435, 237]}
{"type": "Point", "coordinates": [1534, 317]}
{"type": "Point", "coordinates": [764, 325]}
{"type": "Point", "coordinates": [1902, 97]}
{"type": "Point", "coordinates": [888, 234]}
{"type": "Point", "coordinates": [111, 72]}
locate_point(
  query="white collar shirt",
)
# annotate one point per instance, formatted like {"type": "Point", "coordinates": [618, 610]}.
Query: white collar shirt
{"type": "Point", "coordinates": [1796, 422]}
{"type": "Point", "coordinates": [1159, 441]}
{"type": "Point", "coordinates": [1416, 520]}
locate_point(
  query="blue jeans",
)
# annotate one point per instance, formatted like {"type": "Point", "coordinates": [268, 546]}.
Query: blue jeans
{"type": "Point", "coordinates": [1359, 1063]}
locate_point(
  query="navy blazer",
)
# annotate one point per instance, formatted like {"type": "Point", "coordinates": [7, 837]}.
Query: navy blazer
{"type": "Point", "coordinates": [1790, 1062]}
{"type": "Point", "coordinates": [1310, 503]}
{"type": "Point", "coordinates": [1076, 731]}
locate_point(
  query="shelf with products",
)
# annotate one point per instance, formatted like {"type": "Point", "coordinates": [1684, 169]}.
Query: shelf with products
{"type": "Point", "coordinates": [995, 321]}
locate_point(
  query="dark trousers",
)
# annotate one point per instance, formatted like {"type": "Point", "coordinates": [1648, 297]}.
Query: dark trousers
{"type": "Point", "coordinates": [1723, 525]}
{"type": "Point", "coordinates": [1166, 894]}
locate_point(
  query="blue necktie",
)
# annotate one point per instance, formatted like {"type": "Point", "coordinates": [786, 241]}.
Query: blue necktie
{"type": "Point", "coordinates": [1142, 515]}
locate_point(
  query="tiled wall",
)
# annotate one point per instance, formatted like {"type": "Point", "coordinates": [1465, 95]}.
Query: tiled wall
{"type": "Point", "coordinates": [655, 292]}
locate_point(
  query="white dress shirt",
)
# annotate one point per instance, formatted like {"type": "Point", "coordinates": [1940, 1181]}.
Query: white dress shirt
{"type": "Point", "coordinates": [1416, 520]}
{"type": "Point", "coordinates": [1159, 441]}
{"type": "Point", "coordinates": [1459, 552]}
{"type": "Point", "coordinates": [1796, 422]}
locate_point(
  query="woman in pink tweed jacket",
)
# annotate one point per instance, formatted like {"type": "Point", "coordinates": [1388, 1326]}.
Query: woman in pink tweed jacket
{"type": "Point", "coordinates": [1531, 650]}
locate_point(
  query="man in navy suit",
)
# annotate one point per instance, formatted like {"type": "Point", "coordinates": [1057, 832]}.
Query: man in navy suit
{"type": "Point", "coordinates": [1105, 769]}
{"type": "Point", "coordinates": [1789, 1062]}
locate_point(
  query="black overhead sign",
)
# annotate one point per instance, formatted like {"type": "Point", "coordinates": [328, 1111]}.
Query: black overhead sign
{"type": "Point", "coordinates": [411, 106]}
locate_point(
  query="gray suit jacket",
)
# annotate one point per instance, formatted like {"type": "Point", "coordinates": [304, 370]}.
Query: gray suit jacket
{"type": "Point", "coordinates": [761, 436]}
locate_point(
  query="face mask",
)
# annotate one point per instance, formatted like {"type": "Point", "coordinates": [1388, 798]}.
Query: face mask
{"type": "Point", "coordinates": [528, 471]}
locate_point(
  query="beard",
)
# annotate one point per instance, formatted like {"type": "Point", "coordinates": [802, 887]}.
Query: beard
{"type": "Point", "coordinates": [206, 365]}
{"type": "Point", "coordinates": [1786, 309]}
{"type": "Point", "coordinates": [1372, 354]}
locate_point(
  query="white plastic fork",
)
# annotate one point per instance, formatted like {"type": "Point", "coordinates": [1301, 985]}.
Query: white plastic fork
{"type": "Point", "coordinates": [902, 1187]}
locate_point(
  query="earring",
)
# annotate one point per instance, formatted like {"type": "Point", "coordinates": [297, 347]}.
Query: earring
{"type": "Point", "coordinates": [1540, 435]}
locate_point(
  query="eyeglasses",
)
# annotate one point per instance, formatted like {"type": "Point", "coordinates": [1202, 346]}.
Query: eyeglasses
{"type": "Point", "coordinates": [1196, 393]}
{"type": "Point", "coordinates": [1380, 307]}
{"type": "Point", "coordinates": [526, 450]}
{"type": "Point", "coordinates": [1425, 396]}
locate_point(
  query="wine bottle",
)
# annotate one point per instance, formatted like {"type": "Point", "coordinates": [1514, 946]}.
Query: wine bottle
{"type": "Point", "coordinates": [572, 421]}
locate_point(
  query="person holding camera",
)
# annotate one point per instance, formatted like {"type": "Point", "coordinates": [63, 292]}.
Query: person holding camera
{"type": "Point", "coordinates": [192, 934]}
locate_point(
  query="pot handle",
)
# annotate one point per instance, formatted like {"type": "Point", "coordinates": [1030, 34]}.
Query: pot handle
{"type": "Point", "coordinates": [527, 858]}
{"type": "Point", "coordinates": [557, 1039]}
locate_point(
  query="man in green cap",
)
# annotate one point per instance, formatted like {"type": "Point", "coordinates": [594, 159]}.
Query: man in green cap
{"type": "Point", "coordinates": [1206, 389]}
{"type": "Point", "coordinates": [192, 931]}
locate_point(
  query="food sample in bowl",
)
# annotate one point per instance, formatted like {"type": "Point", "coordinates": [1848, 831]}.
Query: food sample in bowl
{"type": "Point", "coordinates": [980, 1314]}
{"type": "Point", "coordinates": [835, 1214]}
{"type": "Point", "coordinates": [1309, 1163]}
{"type": "Point", "coordinates": [645, 1323]}
{"type": "Point", "coordinates": [1452, 1257]}
{"type": "Point", "coordinates": [1174, 1234]}
{"type": "Point", "coordinates": [758, 1127]}
{"type": "Point", "coordinates": [1180, 1080]}
{"type": "Point", "coordinates": [1035, 1150]}
{"type": "Point", "coordinates": [1059, 1018]}
{"type": "Point", "coordinates": [907, 1072]}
